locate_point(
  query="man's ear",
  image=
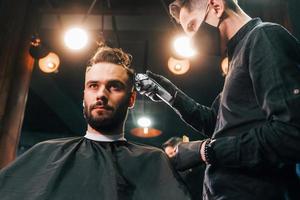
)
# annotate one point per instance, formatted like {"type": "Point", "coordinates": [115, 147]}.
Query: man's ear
{"type": "Point", "coordinates": [215, 13]}
{"type": "Point", "coordinates": [132, 99]}
{"type": "Point", "coordinates": [83, 108]}
{"type": "Point", "coordinates": [218, 6]}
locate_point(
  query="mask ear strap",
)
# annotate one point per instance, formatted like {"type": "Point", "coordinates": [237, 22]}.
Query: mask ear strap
{"type": "Point", "coordinates": [213, 23]}
{"type": "Point", "coordinates": [220, 19]}
{"type": "Point", "coordinates": [219, 23]}
{"type": "Point", "coordinates": [206, 11]}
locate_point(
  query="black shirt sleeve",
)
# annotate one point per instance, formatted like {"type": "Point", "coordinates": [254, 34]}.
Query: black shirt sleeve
{"type": "Point", "coordinates": [274, 69]}
{"type": "Point", "coordinates": [199, 117]}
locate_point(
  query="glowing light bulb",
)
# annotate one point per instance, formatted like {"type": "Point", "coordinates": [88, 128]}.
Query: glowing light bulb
{"type": "Point", "coordinates": [183, 47]}
{"type": "Point", "coordinates": [144, 122]}
{"type": "Point", "coordinates": [225, 65]}
{"type": "Point", "coordinates": [76, 38]}
{"type": "Point", "coordinates": [49, 63]}
{"type": "Point", "coordinates": [177, 66]}
{"type": "Point", "coordinates": [146, 130]}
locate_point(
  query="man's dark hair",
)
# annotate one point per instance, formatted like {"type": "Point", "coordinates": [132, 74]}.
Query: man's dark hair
{"type": "Point", "coordinates": [174, 8]}
{"type": "Point", "coordinates": [115, 56]}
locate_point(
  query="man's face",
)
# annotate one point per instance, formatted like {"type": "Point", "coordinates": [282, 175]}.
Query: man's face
{"type": "Point", "coordinates": [190, 20]}
{"type": "Point", "coordinates": [107, 96]}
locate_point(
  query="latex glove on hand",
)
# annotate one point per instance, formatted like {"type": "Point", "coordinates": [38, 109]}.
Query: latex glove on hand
{"type": "Point", "coordinates": [187, 155]}
{"type": "Point", "coordinates": [156, 87]}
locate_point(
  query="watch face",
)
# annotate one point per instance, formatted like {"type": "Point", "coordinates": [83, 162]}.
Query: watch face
{"type": "Point", "coordinates": [209, 152]}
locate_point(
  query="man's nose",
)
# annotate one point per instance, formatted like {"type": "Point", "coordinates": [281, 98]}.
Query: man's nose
{"type": "Point", "coordinates": [102, 94]}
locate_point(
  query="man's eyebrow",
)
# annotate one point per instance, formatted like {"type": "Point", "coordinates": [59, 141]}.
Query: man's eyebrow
{"type": "Point", "coordinates": [108, 81]}
{"type": "Point", "coordinates": [117, 81]}
{"type": "Point", "coordinates": [91, 81]}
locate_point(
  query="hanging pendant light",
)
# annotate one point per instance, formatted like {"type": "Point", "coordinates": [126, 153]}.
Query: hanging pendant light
{"type": "Point", "coordinates": [178, 66]}
{"type": "Point", "coordinates": [48, 61]}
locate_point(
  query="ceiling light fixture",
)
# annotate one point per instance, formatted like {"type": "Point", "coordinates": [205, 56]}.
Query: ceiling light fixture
{"type": "Point", "coordinates": [145, 130]}
{"type": "Point", "coordinates": [140, 132]}
{"type": "Point", "coordinates": [183, 47]}
{"type": "Point", "coordinates": [76, 38]}
{"type": "Point", "coordinates": [145, 123]}
{"type": "Point", "coordinates": [178, 66]}
{"type": "Point", "coordinates": [48, 61]}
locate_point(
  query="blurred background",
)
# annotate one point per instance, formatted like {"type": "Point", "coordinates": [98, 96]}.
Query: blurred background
{"type": "Point", "coordinates": [143, 28]}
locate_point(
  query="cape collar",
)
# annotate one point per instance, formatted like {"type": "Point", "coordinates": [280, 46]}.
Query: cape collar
{"type": "Point", "coordinates": [104, 138]}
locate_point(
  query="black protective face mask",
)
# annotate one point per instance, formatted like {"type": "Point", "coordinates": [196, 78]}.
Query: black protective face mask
{"type": "Point", "coordinates": [207, 40]}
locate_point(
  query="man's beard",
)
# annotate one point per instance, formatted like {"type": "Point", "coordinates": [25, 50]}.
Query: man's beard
{"type": "Point", "coordinates": [108, 121]}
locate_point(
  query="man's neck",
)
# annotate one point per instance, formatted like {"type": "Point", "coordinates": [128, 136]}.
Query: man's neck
{"type": "Point", "coordinates": [231, 24]}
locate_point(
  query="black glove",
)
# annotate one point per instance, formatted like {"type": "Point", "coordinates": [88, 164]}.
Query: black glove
{"type": "Point", "coordinates": [149, 86]}
{"type": "Point", "coordinates": [188, 155]}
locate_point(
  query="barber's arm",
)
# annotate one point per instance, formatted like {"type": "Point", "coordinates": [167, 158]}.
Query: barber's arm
{"type": "Point", "coordinates": [200, 117]}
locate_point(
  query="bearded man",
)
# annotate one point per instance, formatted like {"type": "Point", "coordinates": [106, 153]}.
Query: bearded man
{"type": "Point", "coordinates": [102, 164]}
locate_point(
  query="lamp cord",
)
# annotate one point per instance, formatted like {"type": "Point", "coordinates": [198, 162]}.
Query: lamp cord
{"type": "Point", "coordinates": [89, 11]}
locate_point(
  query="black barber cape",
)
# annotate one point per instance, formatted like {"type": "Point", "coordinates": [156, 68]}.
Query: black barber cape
{"type": "Point", "coordinates": [83, 169]}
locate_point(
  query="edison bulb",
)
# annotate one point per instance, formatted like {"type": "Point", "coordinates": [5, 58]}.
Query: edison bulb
{"type": "Point", "coordinates": [76, 38]}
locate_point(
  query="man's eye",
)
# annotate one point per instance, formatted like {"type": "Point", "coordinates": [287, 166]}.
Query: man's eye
{"type": "Point", "coordinates": [115, 86]}
{"type": "Point", "coordinates": [93, 86]}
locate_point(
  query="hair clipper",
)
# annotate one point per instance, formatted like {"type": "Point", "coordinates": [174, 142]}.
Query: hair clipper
{"type": "Point", "coordinates": [144, 79]}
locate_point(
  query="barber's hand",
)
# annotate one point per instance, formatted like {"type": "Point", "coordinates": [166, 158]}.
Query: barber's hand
{"type": "Point", "coordinates": [150, 88]}
{"type": "Point", "coordinates": [188, 155]}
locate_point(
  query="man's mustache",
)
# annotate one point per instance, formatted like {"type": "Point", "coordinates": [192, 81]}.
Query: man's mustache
{"type": "Point", "coordinates": [100, 104]}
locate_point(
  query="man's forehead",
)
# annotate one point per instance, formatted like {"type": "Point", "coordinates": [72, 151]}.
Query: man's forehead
{"type": "Point", "coordinates": [106, 71]}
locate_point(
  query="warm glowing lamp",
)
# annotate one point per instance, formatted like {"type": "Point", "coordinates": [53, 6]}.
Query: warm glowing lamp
{"type": "Point", "coordinates": [183, 47]}
{"type": "Point", "coordinates": [145, 123]}
{"type": "Point", "coordinates": [140, 132]}
{"type": "Point", "coordinates": [178, 66]}
{"type": "Point", "coordinates": [144, 131]}
{"type": "Point", "coordinates": [225, 65]}
{"type": "Point", "coordinates": [76, 38]}
{"type": "Point", "coordinates": [50, 63]}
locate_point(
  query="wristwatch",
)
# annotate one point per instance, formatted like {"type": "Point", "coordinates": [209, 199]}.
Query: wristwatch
{"type": "Point", "coordinates": [209, 153]}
